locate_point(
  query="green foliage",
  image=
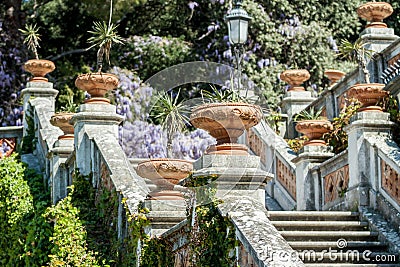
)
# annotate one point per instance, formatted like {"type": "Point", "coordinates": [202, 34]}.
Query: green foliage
{"type": "Point", "coordinates": [70, 106]}
{"type": "Point", "coordinates": [337, 138]}
{"type": "Point", "coordinates": [172, 114]}
{"type": "Point", "coordinates": [28, 144]}
{"type": "Point", "coordinates": [297, 143]}
{"type": "Point", "coordinates": [222, 95]}
{"type": "Point", "coordinates": [103, 36]}
{"type": "Point", "coordinates": [311, 114]}
{"type": "Point", "coordinates": [150, 54]}
{"type": "Point", "coordinates": [157, 252]}
{"type": "Point", "coordinates": [32, 38]}
{"type": "Point", "coordinates": [38, 231]}
{"type": "Point", "coordinates": [212, 238]}
{"type": "Point", "coordinates": [16, 204]}
{"type": "Point", "coordinates": [274, 120]}
{"type": "Point", "coordinates": [358, 53]}
{"type": "Point", "coordinates": [389, 104]}
{"type": "Point", "coordinates": [69, 237]}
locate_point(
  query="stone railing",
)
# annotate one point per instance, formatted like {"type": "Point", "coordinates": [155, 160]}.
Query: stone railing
{"type": "Point", "coordinates": [39, 99]}
{"type": "Point", "coordinates": [276, 158]}
{"type": "Point", "coordinates": [333, 175]}
{"type": "Point", "coordinates": [260, 244]}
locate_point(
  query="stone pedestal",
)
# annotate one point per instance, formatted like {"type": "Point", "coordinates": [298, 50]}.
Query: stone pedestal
{"type": "Point", "coordinates": [361, 125]}
{"type": "Point", "coordinates": [377, 39]}
{"type": "Point", "coordinates": [43, 90]}
{"type": "Point", "coordinates": [237, 175]}
{"type": "Point", "coordinates": [58, 173]}
{"type": "Point", "coordinates": [100, 118]}
{"type": "Point", "coordinates": [307, 187]}
{"type": "Point", "coordinates": [292, 103]}
{"type": "Point", "coordinates": [164, 214]}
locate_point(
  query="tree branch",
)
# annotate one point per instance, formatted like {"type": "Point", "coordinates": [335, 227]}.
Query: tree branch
{"type": "Point", "coordinates": [75, 51]}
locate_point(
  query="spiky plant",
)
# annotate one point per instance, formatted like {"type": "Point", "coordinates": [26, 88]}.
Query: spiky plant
{"type": "Point", "coordinates": [356, 52]}
{"type": "Point", "coordinates": [172, 115]}
{"type": "Point", "coordinates": [32, 38]}
{"type": "Point", "coordinates": [311, 114]}
{"type": "Point", "coordinates": [104, 35]}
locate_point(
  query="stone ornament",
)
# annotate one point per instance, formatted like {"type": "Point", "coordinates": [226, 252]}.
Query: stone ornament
{"type": "Point", "coordinates": [369, 94]}
{"type": "Point", "coordinates": [165, 173]}
{"type": "Point", "coordinates": [295, 78]}
{"type": "Point", "coordinates": [375, 13]}
{"type": "Point", "coordinates": [62, 120]}
{"type": "Point", "coordinates": [39, 68]}
{"type": "Point", "coordinates": [226, 121]}
{"type": "Point", "coordinates": [314, 130]}
{"type": "Point", "coordinates": [334, 76]}
{"type": "Point", "coordinates": [97, 85]}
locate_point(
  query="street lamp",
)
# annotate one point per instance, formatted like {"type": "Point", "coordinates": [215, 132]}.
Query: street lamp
{"type": "Point", "coordinates": [238, 24]}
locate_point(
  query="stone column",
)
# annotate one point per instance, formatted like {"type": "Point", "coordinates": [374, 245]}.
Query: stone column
{"type": "Point", "coordinates": [238, 175]}
{"type": "Point", "coordinates": [43, 90]}
{"type": "Point", "coordinates": [58, 155]}
{"type": "Point", "coordinates": [361, 125]}
{"type": "Point", "coordinates": [307, 189]}
{"type": "Point", "coordinates": [292, 103]}
{"type": "Point", "coordinates": [377, 39]}
{"type": "Point", "coordinates": [99, 118]}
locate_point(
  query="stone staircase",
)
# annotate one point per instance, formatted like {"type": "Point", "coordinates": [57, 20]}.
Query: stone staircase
{"type": "Point", "coordinates": [332, 238]}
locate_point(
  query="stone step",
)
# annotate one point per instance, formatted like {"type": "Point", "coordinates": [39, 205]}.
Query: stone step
{"type": "Point", "coordinates": [166, 216]}
{"type": "Point", "coordinates": [328, 235]}
{"type": "Point", "coordinates": [320, 225]}
{"type": "Point", "coordinates": [348, 257]}
{"type": "Point", "coordinates": [320, 245]}
{"type": "Point", "coordinates": [313, 215]}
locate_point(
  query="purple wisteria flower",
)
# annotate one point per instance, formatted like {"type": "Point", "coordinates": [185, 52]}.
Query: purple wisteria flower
{"type": "Point", "coordinates": [192, 5]}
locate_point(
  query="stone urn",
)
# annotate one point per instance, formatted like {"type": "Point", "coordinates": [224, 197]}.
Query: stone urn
{"type": "Point", "coordinates": [375, 13]}
{"type": "Point", "coordinates": [97, 85]}
{"type": "Point", "coordinates": [369, 94]}
{"type": "Point", "coordinates": [334, 76]}
{"type": "Point", "coordinates": [314, 130]}
{"type": "Point", "coordinates": [226, 122]}
{"type": "Point", "coordinates": [61, 120]}
{"type": "Point", "coordinates": [165, 174]}
{"type": "Point", "coordinates": [39, 68]}
{"type": "Point", "coordinates": [295, 78]}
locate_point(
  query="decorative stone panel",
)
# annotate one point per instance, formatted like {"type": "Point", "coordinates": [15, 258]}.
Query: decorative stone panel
{"type": "Point", "coordinates": [393, 60]}
{"type": "Point", "coordinates": [336, 183]}
{"type": "Point", "coordinates": [7, 146]}
{"type": "Point", "coordinates": [390, 181]}
{"type": "Point", "coordinates": [256, 145]}
{"type": "Point", "coordinates": [286, 177]}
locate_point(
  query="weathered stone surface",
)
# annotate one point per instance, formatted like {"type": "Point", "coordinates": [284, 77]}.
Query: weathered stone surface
{"type": "Point", "coordinates": [386, 232]}
{"type": "Point", "coordinates": [259, 237]}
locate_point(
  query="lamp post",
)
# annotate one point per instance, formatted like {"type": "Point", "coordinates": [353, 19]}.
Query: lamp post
{"type": "Point", "coordinates": [238, 24]}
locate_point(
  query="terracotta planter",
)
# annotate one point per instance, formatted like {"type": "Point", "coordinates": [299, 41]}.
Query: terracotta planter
{"type": "Point", "coordinates": [375, 13]}
{"type": "Point", "coordinates": [314, 130]}
{"type": "Point", "coordinates": [295, 78]}
{"type": "Point", "coordinates": [61, 120]}
{"type": "Point", "coordinates": [39, 68]}
{"type": "Point", "coordinates": [97, 85]}
{"type": "Point", "coordinates": [334, 76]}
{"type": "Point", "coordinates": [226, 122]}
{"type": "Point", "coordinates": [369, 94]}
{"type": "Point", "coordinates": [165, 174]}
